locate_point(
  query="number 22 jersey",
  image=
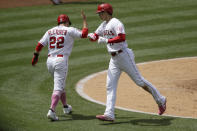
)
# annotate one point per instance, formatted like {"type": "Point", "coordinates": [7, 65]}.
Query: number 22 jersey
{"type": "Point", "coordinates": [60, 40]}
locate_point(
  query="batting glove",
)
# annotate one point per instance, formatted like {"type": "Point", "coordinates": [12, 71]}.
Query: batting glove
{"type": "Point", "coordinates": [102, 40]}
{"type": "Point", "coordinates": [91, 36]}
{"type": "Point", "coordinates": [35, 59]}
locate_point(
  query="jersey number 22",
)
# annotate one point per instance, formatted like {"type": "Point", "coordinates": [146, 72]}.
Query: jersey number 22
{"type": "Point", "coordinates": [58, 42]}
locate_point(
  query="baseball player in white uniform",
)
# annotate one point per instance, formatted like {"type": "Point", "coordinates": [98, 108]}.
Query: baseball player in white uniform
{"type": "Point", "coordinates": [59, 40]}
{"type": "Point", "coordinates": [112, 33]}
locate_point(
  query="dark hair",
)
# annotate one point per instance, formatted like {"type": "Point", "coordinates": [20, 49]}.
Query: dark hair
{"type": "Point", "coordinates": [62, 23]}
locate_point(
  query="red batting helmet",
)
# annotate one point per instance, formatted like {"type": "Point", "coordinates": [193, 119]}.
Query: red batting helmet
{"type": "Point", "coordinates": [105, 7]}
{"type": "Point", "coordinates": [63, 18]}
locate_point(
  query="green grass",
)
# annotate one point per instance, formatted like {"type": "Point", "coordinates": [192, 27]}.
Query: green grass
{"type": "Point", "coordinates": [156, 29]}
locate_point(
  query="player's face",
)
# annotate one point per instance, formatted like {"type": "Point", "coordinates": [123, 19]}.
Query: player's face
{"type": "Point", "coordinates": [103, 15]}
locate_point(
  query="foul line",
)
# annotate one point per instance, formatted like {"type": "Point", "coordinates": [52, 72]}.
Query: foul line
{"type": "Point", "coordinates": [80, 85]}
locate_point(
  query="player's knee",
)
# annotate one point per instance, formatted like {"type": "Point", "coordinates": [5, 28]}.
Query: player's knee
{"type": "Point", "coordinates": [57, 92]}
{"type": "Point", "coordinates": [110, 86]}
{"type": "Point", "coordinates": [140, 83]}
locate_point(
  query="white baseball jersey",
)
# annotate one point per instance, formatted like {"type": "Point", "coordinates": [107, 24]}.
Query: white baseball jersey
{"type": "Point", "coordinates": [111, 30]}
{"type": "Point", "coordinates": [123, 61]}
{"type": "Point", "coordinates": [60, 40]}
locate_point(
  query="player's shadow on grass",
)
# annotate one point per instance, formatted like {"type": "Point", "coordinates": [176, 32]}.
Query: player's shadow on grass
{"type": "Point", "coordinates": [143, 122]}
{"type": "Point", "coordinates": [82, 117]}
{"type": "Point", "coordinates": [76, 117]}
{"type": "Point", "coordinates": [152, 122]}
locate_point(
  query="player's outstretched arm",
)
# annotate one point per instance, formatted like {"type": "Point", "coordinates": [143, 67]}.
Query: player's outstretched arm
{"type": "Point", "coordinates": [85, 28]}
{"type": "Point", "coordinates": [117, 39]}
{"type": "Point", "coordinates": [85, 25]}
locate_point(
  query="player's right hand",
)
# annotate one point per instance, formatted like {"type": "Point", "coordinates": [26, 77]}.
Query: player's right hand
{"type": "Point", "coordinates": [91, 36]}
{"type": "Point", "coordinates": [35, 59]}
{"type": "Point", "coordinates": [102, 40]}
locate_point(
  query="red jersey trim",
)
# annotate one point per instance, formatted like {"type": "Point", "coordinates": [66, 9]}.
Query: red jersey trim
{"type": "Point", "coordinates": [39, 47]}
{"type": "Point", "coordinates": [84, 33]}
{"type": "Point", "coordinates": [117, 39]}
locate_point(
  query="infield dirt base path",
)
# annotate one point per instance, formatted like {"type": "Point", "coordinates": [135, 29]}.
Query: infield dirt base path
{"type": "Point", "coordinates": [22, 3]}
{"type": "Point", "coordinates": [176, 79]}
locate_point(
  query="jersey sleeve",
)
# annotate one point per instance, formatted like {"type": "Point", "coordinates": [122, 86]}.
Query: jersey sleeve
{"type": "Point", "coordinates": [119, 28]}
{"type": "Point", "coordinates": [44, 39]}
{"type": "Point", "coordinates": [99, 30]}
{"type": "Point", "coordinates": [75, 33]}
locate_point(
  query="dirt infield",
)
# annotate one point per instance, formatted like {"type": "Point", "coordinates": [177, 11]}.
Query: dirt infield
{"type": "Point", "coordinates": [175, 79]}
{"type": "Point", "coordinates": [22, 3]}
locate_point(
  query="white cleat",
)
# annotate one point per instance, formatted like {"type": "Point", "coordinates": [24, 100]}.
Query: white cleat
{"type": "Point", "coordinates": [104, 118]}
{"type": "Point", "coordinates": [162, 107]}
{"type": "Point", "coordinates": [51, 115]}
{"type": "Point", "coordinates": [67, 110]}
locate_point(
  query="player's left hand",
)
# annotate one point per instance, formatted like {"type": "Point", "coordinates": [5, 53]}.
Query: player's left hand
{"type": "Point", "coordinates": [83, 15]}
{"type": "Point", "coordinates": [35, 59]}
{"type": "Point", "coordinates": [102, 40]}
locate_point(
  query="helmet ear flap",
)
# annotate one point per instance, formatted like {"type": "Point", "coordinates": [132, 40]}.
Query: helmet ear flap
{"type": "Point", "coordinates": [70, 23]}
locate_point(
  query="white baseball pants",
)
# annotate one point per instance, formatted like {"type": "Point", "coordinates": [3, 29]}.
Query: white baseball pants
{"type": "Point", "coordinates": [58, 67]}
{"type": "Point", "coordinates": [125, 62]}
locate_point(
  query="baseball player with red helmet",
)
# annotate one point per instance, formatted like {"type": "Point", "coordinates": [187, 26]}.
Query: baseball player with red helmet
{"type": "Point", "coordinates": [60, 42]}
{"type": "Point", "coordinates": [112, 33]}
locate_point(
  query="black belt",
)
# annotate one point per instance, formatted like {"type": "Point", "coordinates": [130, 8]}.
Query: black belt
{"type": "Point", "coordinates": [115, 53]}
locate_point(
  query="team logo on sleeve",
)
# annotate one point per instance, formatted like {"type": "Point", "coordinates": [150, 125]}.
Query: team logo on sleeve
{"type": "Point", "coordinates": [120, 29]}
